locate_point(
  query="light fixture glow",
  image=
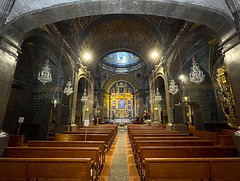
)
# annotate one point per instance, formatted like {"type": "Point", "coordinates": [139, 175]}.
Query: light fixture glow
{"type": "Point", "coordinates": [154, 55]}
{"type": "Point", "coordinates": [87, 56]}
{"type": "Point", "coordinates": [181, 77]}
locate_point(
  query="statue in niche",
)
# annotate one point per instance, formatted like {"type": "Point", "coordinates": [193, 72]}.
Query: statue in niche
{"type": "Point", "coordinates": [113, 90]}
{"type": "Point", "coordinates": [121, 104]}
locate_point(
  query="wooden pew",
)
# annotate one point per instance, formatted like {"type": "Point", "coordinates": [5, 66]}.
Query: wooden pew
{"type": "Point", "coordinates": [56, 152]}
{"type": "Point", "coordinates": [46, 168]}
{"type": "Point", "coordinates": [81, 137]}
{"type": "Point", "coordinates": [186, 169]}
{"type": "Point", "coordinates": [16, 140]}
{"type": "Point", "coordinates": [183, 152]}
{"type": "Point", "coordinates": [226, 140]}
{"type": "Point", "coordinates": [90, 132]}
{"type": "Point", "coordinates": [163, 138]}
{"type": "Point", "coordinates": [228, 131]}
{"type": "Point", "coordinates": [131, 138]}
{"type": "Point", "coordinates": [100, 144]}
{"type": "Point", "coordinates": [212, 136]}
{"type": "Point", "coordinates": [200, 133]}
{"type": "Point", "coordinates": [167, 138]}
{"type": "Point", "coordinates": [141, 143]}
{"type": "Point", "coordinates": [191, 129]}
{"type": "Point", "coordinates": [131, 133]}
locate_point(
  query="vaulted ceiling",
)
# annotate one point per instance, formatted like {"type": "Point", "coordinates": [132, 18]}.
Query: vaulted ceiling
{"type": "Point", "coordinates": [101, 35]}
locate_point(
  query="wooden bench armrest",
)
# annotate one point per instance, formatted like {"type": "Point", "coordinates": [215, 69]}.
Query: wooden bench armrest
{"type": "Point", "coordinates": [142, 176]}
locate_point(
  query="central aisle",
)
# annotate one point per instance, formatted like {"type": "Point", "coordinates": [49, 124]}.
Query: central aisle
{"type": "Point", "coordinates": [119, 163]}
{"type": "Point", "coordinates": [119, 166]}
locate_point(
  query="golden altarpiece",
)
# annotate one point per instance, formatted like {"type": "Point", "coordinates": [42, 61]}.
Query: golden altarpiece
{"type": "Point", "coordinates": [121, 101]}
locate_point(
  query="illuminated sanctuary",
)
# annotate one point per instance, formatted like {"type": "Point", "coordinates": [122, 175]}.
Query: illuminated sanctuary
{"type": "Point", "coordinates": [121, 101]}
{"type": "Point", "coordinates": [89, 73]}
{"type": "Point", "coordinates": [65, 62]}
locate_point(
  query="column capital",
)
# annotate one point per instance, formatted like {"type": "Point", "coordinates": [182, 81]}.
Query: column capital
{"type": "Point", "coordinates": [231, 42]}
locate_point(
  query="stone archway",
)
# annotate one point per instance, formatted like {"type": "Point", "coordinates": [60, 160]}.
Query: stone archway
{"type": "Point", "coordinates": [116, 77]}
{"type": "Point", "coordinates": [217, 13]}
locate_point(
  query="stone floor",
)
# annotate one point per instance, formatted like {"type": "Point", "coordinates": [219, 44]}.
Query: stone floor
{"type": "Point", "coordinates": [119, 163]}
{"type": "Point", "coordinates": [119, 167]}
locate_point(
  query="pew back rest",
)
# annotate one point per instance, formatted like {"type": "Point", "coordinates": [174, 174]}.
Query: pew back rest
{"type": "Point", "coordinates": [53, 152]}
{"type": "Point", "coordinates": [45, 168]}
{"type": "Point", "coordinates": [226, 140]}
{"type": "Point", "coordinates": [186, 151]}
{"type": "Point", "coordinates": [81, 137]}
{"type": "Point", "coordinates": [155, 169]}
{"type": "Point", "coordinates": [167, 138]}
{"type": "Point", "coordinates": [140, 143]}
{"type": "Point", "coordinates": [192, 168]}
{"type": "Point", "coordinates": [99, 144]}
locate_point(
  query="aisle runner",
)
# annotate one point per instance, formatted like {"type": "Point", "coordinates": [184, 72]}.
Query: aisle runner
{"type": "Point", "coordinates": [119, 167]}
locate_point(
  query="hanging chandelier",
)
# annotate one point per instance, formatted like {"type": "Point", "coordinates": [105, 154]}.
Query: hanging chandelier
{"type": "Point", "coordinates": [196, 75]}
{"type": "Point", "coordinates": [173, 88]}
{"type": "Point", "coordinates": [84, 97]}
{"type": "Point", "coordinates": [158, 97]}
{"type": "Point", "coordinates": [45, 75]}
{"type": "Point", "coordinates": [68, 89]}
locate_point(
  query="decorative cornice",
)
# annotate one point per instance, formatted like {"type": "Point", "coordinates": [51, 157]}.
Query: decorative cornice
{"type": "Point", "coordinates": [9, 47]}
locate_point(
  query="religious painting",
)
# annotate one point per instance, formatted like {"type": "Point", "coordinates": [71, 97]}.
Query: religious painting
{"type": "Point", "coordinates": [121, 89]}
{"type": "Point", "coordinates": [121, 104]}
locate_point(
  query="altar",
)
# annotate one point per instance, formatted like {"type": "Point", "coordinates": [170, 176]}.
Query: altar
{"type": "Point", "coordinates": [121, 121]}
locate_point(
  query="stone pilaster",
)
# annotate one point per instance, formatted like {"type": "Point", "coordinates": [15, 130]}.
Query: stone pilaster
{"type": "Point", "coordinates": [101, 103]}
{"type": "Point", "coordinates": [74, 102]}
{"type": "Point", "coordinates": [8, 63]}
{"type": "Point", "coordinates": [178, 113]}
{"type": "Point", "coordinates": [232, 61]}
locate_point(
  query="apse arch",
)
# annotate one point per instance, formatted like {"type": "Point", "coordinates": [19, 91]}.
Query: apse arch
{"type": "Point", "coordinates": [120, 77]}
{"type": "Point", "coordinates": [15, 26]}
